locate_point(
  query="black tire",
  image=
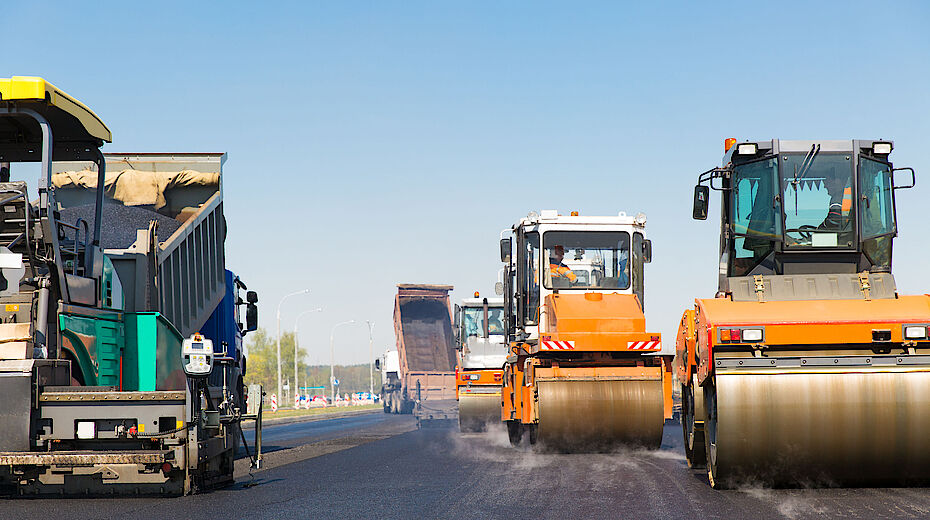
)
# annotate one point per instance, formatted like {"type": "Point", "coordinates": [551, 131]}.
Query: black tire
{"type": "Point", "coordinates": [693, 436]}
{"type": "Point", "coordinates": [515, 432]}
{"type": "Point", "coordinates": [710, 438]}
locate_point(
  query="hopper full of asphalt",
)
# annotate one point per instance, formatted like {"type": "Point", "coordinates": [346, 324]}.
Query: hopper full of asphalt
{"type": "Point", "coordinates": [120, 223]}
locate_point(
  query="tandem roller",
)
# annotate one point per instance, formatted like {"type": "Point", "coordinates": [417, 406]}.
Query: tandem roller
{"type": "Point", "coordinates": [807, 367]}
{"type": "Point", "coordinates": [583, 373]}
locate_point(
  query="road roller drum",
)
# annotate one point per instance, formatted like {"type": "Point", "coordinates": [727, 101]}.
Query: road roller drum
{"type": "Point", "coordinates": [832, 425]}
{"type": "Point", "coordinates": [600, 415]}
{"type": "Point", "coordinates": [476, 412]}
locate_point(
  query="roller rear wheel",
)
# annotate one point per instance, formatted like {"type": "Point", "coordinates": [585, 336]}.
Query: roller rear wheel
{"type": "Point", "coordinates": [515, 432]}
{"type": "Point", "coordinates": [692, 426]}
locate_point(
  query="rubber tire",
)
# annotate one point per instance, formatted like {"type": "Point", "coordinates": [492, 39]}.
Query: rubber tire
{"type": "Point", "coordinates": [515, 432]}
{"type": "Point", "coordinates": [710, 437]}
{"type": "Point", "coordinates": [693, 439]}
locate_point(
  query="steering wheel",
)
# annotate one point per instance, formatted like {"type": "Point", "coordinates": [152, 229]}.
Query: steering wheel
{"type": "Point", "coordinates": [804, 231]}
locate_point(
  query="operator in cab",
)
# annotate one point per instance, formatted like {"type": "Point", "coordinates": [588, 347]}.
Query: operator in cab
{"type": "Point", "coordinates": [840, 202]}
{"type": "Point", "coordinates": [557, 269]}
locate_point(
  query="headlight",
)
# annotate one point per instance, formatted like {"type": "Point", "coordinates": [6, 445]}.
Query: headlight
{"type": "Point", "coordinates": [747, 149]}
{"type": "Point", "coordinates": [915, 332]}
{"type": "Point", "coordinates": [86, 430]}
{"type": "Point", "coordinates": [752, 335]}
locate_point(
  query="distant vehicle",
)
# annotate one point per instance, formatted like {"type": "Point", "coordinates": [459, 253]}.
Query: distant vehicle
{"type": "Point", "coordinates": [419, 377]}
{"type": "Point", "coordinates": [479, 337]}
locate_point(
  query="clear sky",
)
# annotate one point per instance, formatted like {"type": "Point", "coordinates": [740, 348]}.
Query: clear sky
{"type": "Point", "coordinates": [372, 143]}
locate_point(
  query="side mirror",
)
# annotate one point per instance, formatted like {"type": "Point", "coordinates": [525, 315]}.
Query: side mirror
{"type": "Point", "coordinates": [457, 317]}
{"type": "Point", "coordinates": [505, 250]}
{"type": "Point", "coordinates": [377, 364]}
{"type": "Point", "coordinates": [647, 251]}
{"type": "Point", "coordinates": [701, 196]}
{"type": "Point", "coordinates": [251, 317]}
{"type": "Point", "coordinates": [251, 297]}
{"type": "Point", "coordinates": [911, 182]}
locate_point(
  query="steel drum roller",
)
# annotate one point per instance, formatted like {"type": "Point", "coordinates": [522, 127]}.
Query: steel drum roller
{"type": "Point", "coordinates": [476, 411]}
{"type": "Point", "coordinates": [592, 415]}
{"type": "Point", "coordinates": [871, 425]}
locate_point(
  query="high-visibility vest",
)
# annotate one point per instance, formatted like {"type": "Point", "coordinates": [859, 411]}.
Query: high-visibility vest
{"type": "Point", "coordinates": [847, 201]}
{"type": "Point", "coordinates": [562, 271]}
{"type": "Point", "coordinates": [839, 211]}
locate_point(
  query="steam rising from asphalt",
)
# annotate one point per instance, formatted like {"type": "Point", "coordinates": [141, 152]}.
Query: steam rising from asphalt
{"type": "Point", "coordinates": [793, 506]}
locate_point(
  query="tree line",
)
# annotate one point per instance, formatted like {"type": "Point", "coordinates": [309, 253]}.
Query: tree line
{"type": "Point", "coordinates": [262, 367]}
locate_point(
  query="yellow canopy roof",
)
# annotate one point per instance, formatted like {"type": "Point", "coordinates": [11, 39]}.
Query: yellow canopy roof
{"type": "Point", "coordinates": [32, 89]}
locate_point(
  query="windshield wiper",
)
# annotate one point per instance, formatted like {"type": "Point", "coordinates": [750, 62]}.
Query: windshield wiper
{"type": "Point", "coordinates": [800, 171]}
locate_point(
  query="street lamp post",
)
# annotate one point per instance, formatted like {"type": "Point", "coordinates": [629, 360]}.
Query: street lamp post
{"type": "Point", "coordinates": [332, 360]}
{"type": "Point", "coordinates": [297, 322]}
{"type": "Point", "coordinates": [371, 360]}
{"type": "Point", "coordinates": [278, 320]}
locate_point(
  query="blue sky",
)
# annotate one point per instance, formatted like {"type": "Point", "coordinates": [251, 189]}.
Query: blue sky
{"type": "Point", "coordinates": [377, 143]}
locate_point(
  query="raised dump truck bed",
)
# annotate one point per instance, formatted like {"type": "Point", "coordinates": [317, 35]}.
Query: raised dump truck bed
{"type": "Point", "coordinates": [423, 327]}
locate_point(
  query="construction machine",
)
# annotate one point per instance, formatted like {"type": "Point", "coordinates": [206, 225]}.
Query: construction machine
{"type": "Point", "coordinates": [582, 372]}
{"type": "Point", "coordinates": [807, 366]}
{"type": "Point", "coordinates": [482, 351]}
{"type": "Point", "coordinates": [120, 338]}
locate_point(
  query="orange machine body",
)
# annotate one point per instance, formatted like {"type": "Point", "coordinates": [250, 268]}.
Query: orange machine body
{"type": "Point", "coordinates": [477, 381]}
{"type": "Point", "coordinates": [806, 325]}
{"type": "Point", "coordinates": [590, 328]}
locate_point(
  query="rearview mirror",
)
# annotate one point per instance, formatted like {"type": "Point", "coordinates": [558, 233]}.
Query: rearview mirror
{"type": "Point", "coordinates": [377, 364]}
{"type": "Point", "coordinates": [505, 250]}
{"type": "Point", "coordinates": [647, 251]}
{"type": "Point", "coordinates": [251, 297]}
{"type": "Point", "coordinates": [251, 317]}
{"type": "Point", "coordinates": [499, 288]}
{"type": "Point", "coordinates": [701, 195]}
{"type": "Point", "coordinates": [457, 317]}
{"type": "Point", "coordinates": [910, 183]}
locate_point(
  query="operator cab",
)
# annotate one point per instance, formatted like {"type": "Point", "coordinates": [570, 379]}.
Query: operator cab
{"type": "Point", "coordinates": [804, 207]}
{"type": "Point", "coordinates": [571, 254]}
{"type": "Point", "coordinates": [481, 342]}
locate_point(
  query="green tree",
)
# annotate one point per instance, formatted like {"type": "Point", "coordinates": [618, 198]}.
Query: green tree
{"type": "Point", "coordinates": [262, 361]}
{"type": "Point", "coordinates": [262, 367]}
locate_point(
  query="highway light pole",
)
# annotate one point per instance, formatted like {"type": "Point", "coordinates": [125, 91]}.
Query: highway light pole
{"type": "Point", "coordinates": [371, 360]}
{"type": "Point", "coordinates": [278, 320]}
{"type": "Point", "coordinates": [332, 360]}
{"type": "Point", "coordinates": [296, 322]}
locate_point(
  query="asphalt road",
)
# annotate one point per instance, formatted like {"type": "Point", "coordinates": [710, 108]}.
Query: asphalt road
{"type": "Point", "coordinates": [378, 466]}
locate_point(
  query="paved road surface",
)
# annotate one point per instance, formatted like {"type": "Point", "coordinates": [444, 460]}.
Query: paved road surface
{"type": "Point", "coordinates": [381, 468]}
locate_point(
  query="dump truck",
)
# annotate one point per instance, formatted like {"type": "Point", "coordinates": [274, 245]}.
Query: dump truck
{"type": "Point", "coordinates": [120, 337]}
{"type": "Point", "coordinates": [482, 351]}
{"type": "Point", "coordinates": [807, 366]}
{"type": "Point", "coordinates": [425, 384]}
{"type": "Point", "coordinates": [582, 372]}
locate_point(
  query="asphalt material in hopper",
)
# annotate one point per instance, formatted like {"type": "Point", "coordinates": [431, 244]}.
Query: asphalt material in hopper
{"type": "Point", "coordinates": [120, 223]}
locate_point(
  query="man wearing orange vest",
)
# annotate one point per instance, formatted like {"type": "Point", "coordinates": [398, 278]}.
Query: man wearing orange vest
{"type": "Point", "coordinates": [840, 203]}
{"type": "Point", "coordinates": [557, 269]}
